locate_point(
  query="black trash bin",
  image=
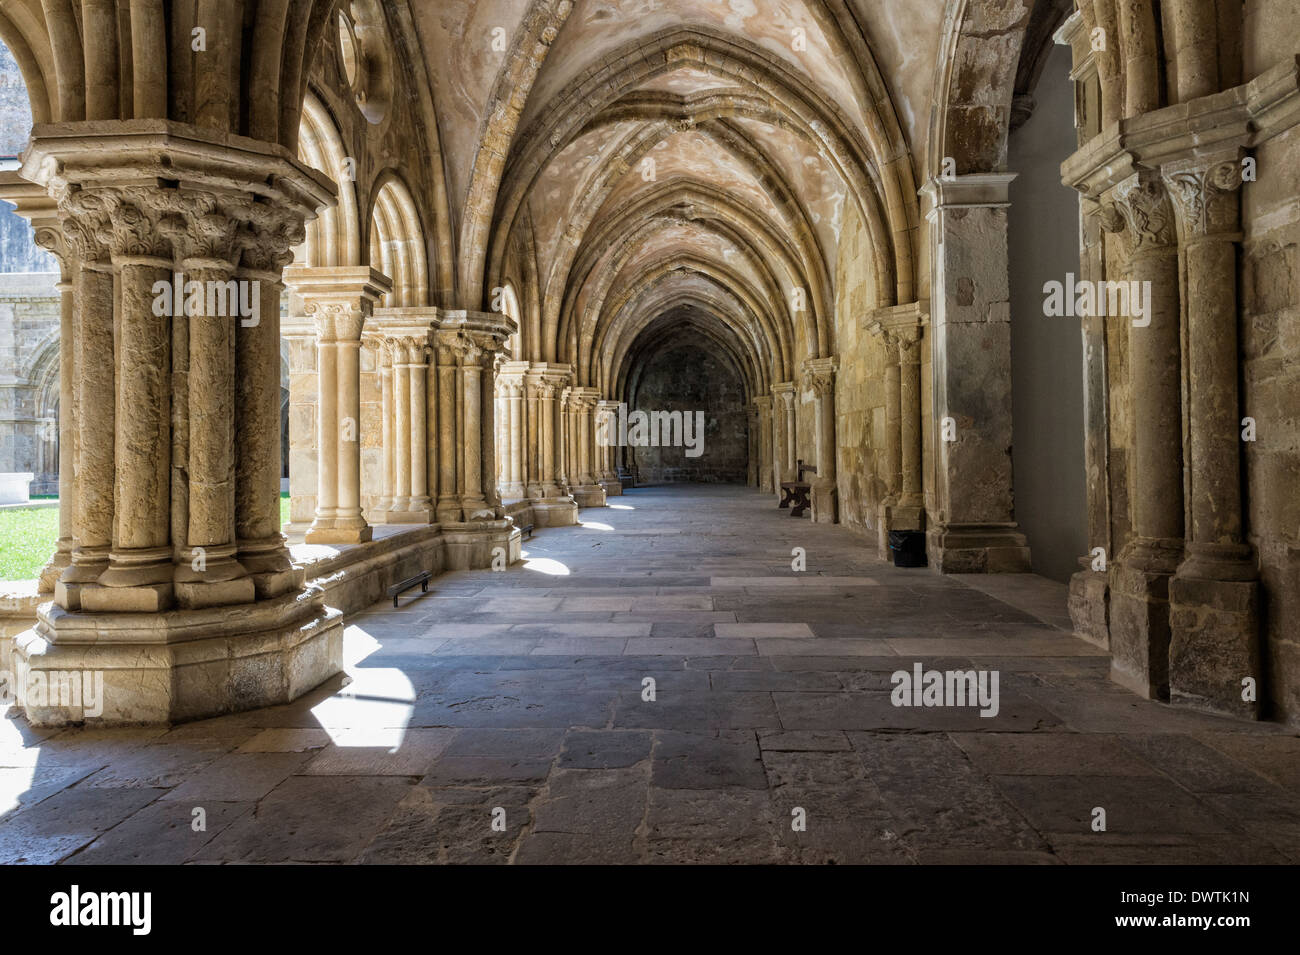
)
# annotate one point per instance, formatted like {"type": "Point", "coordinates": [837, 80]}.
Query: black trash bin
{"type": "Point", "coordinates": [908, 548]}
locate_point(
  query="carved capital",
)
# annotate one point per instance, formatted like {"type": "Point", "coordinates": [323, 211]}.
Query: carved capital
{"type": "Point", "coordinates": [267, 236]}
{"type": "Point", "coordinates": [1141, 205]}
{"type": "Point", "coordinates": [819, 376]}
{"type": "Point", "coordinates": [337, 321]}
{"type": "Point", "coordinates": [1204, 195]}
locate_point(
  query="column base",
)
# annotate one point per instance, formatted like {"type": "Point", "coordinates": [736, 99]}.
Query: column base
{"type": "Point", "coordinates": [978, 549]}
{"type": "Point", "coordinates": [612, 488]}
{"type": "Point", "coordinates": [1139, 616]}
{"type": "Point", "coordinates": [418, 516]}
{"type": "Point", "coordinates": [143, 598]}
{"type": "Point", "coordinates": [1214, 644]}
{"type": "Point", "coordinates": [60, 562]}
{"type": "Point", "coordinates": [339, 531]}
{"type": "Point", "coordinates": [269, 567]}
{"type": "Point", "coordinates": [176, 666]}
{"type": "Point", "coordinates": [589, 495]}
{"type": "Point", "coordinates": [555, 512]}
{"type": "Point", "coordinates": [893, 516]}
{"type": "Point", "coordinates": [1089, 604]}
{"type": "Point", "coordinates": [825, 502]}
{"type": "Point", "coordinates": [470, 545]}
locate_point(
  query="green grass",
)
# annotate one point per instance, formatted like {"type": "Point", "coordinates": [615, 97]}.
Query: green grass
{"type": "Point", "coordinates": [28, 536]}
{"type": "Point", "coordinates": [27, 539]}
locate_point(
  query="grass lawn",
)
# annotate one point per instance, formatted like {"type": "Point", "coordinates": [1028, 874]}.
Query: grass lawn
{"type": "Point", "coordinates": [27, 539]}
{"type": "Point", "coordinates": [28, 536]}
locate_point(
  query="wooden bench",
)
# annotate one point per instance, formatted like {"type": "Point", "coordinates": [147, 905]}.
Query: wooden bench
{"type": "Point", "coordinates": [526, 530]}
{"type": "Point", "coordinates": [796, 492]}
{"type": "Point", "coordinates": [398, 589]}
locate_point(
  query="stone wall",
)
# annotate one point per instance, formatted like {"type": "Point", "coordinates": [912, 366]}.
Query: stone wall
{"type": "Point", "coordinates": [859, 392]}
{"type": "Point", "coordinates": [1270, 341]}
{"type": "Point", "coordinates": [29, 377]}
{"type": "Point", "coordinates": [685, 377]}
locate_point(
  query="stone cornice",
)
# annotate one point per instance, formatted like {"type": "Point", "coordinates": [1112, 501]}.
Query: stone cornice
{"type": "Point", "coordinates": [352, 283]}
{"type": "Point", "coordinates": [975, 190]}
{"type": "Point", "coordinates": [144, 151]}
{"type": "Point", "coordinates": [1239, 118]}
{"type": "Point", "coordinates": [891, 318]}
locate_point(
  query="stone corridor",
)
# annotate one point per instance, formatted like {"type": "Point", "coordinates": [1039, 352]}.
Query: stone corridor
{"type": "Point", "coordinates": [516, 697]}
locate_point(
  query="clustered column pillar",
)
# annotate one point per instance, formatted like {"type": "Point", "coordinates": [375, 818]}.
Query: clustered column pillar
{"type": "Point", "coordinates": [518, 418]}
{"type": "Point", "coordinates": [819, 374]}
{"type": "Point", "coordinates": [466, 344]}
{"type": "Point", "coordinates": [764, 454]}
{"type": "Point", "coordinates": [607, 426]}
{"type": "Point", "coordinates": [903, 508]}
{"type": "Point", "coordinates": [1215, 594]}
{"type": "Point", "coordinates": [780, 423]}
{"type": "Point", "coordinates": [401, 338]}
{"type": "Point", "coordinates": [340, 300]}
{"type": "Point", "coordinates": [170, 372]}
{"type": "Point", "coordinates": [586, 491]}
{"type": "Point", "coordinates": [548, 485]}
{"type": "Point", "coordinates": [1139, 634]}
{"type": "Point", "coordinates": [259, 457]}
{"type": "Point", "coordinates": [140, 571]}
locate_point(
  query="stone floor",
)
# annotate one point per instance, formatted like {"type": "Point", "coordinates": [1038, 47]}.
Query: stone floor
{"type": "Point", "coordinates": [516, 698]}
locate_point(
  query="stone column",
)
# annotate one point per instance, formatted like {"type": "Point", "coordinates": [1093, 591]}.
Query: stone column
{"type": "Point", "coordinates": [517, 416]}
{"type": "Point", "coordinates": [340, 300]}
{"type": "Point", "coordinates": [819, 374]}
{"type": "Point", "coordinates": [787, 445]}
{"type": "Point", "coordinates": [139, 573]}
{"type": "Point", "coordinates": [780, 424]}
{"type": "Point", "coordinates": [174, 344]}
{"type": "Point", "coordinates": [974, 529]}
{"type": "Point", "coordinates": [752, 444]}
{"type": "Point", "coordinates": [541, 426]}
{"type": "Point", "coordinates": [49, 236]}
{"type": "Point", "coordinates": [448, 502]}
{"type": "Point", "coordinates": [1139, 630]}
{"type": "Point", "coordinates": [585, 489]}
{"type": "Point", "coordinates": [903, 508]}
{"type": "Point", "coordinates": [420, 509]}
{"type": "Point", "coordinates": [266, 240]}
{"type": "Point", "coordinates": [467, 343]}
{"type": "Point", "coordinates": [607, 426]}
{"type": "Point", "coordinates": [304, 412]}
{"type": "Point", "coordinates": [1215, 594]}
{"type": "Point", "coordinates": [1090, 588]}
{"type": "Point", "coordinates": [400, 450]}
{"type": "Point", "coordinates": [85, 216]}
{"type": "Point", "coordinates": [766, 456]}
{"type": "Point", "coordinates": [388, 414]}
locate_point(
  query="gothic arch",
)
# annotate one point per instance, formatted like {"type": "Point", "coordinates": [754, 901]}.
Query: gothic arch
{"type": "Point", "coordinates": [397, 243]}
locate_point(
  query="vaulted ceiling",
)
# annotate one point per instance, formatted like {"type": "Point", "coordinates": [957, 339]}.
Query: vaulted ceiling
{"type": "Point", "coordinates": [634, 165]}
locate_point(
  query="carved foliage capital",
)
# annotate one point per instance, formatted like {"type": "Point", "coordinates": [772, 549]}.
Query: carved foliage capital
{"type": "Point", "coordinates": [1205, 196]}
{"type": "Point", "coordinates": [1140, 208]}
{"type": "Point", "coordinates": [337, 321]}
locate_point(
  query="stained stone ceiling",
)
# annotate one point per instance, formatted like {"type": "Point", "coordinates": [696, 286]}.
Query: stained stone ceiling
{"type": "Point", "coordinates": [681, 158]}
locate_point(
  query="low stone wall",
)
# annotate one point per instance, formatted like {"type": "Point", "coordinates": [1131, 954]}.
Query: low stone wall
{"type": "Point", "coordinates": [184, 665]}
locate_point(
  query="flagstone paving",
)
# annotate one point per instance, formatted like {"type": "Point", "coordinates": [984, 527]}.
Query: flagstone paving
{"type": "Point", "coordinates": [659, 685]}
